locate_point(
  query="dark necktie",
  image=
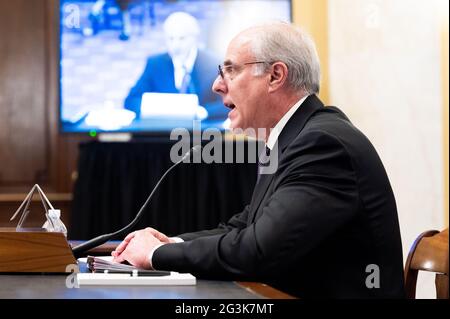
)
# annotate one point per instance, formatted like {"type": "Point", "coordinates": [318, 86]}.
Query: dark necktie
{"type": "Point", "coordinates": [263, 161]}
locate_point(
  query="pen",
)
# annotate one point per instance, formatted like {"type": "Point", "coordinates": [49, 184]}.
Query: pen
{"type": "Point", "coordinates": [139, 273]}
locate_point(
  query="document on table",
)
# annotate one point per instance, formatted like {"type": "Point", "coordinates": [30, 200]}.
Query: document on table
{"type": "Point", "coordinates": [106, 272]}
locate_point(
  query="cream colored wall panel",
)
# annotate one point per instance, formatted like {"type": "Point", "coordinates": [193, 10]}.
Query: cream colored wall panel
{"type": "Point", "coordinates": [385, 73]}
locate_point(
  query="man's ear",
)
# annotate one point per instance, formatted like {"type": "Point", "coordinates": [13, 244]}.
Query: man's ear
{"type": "Point", "coordinates": [278, 76]}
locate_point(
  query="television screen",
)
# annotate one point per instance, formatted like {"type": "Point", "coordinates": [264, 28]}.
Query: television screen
{"type": "Point", "coordinates": [148, 65]}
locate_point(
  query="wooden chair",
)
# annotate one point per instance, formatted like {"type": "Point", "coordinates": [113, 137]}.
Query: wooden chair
{"type": "Point", "coordinates": [429, 252]}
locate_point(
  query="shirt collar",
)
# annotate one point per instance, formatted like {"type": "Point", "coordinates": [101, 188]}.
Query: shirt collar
{"type": "Point", "coordinates": [275, 132]}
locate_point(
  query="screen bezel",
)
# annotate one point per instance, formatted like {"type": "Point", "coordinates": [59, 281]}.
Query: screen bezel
{"type": "Point", "coordinates": [94, 132]}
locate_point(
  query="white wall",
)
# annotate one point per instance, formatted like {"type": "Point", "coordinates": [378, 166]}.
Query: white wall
{"type": "Point", "coordinates": [384, 73]}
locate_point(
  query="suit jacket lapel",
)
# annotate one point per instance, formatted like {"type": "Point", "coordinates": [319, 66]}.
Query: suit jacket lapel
{"type": "Point", "coordinates": [169, 73]}
{"type": "Point", "coordinates": [293, 127]}
{"type": "Point", "coordinates": [258, 193]}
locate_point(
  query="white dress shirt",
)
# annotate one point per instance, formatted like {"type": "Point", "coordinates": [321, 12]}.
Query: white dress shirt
{"type": "Point", "coordinates": [181, 67]}
{"type": "Point", "coordinates": [275, 132]}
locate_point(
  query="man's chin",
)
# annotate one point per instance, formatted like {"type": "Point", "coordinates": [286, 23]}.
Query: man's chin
{"type": "Point", "coordinates": [238, 130]}
{"type": "Point", "coordinates": [235, 126]}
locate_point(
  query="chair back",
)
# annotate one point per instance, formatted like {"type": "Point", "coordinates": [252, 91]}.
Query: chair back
{"type": "Point", "coordinates": [429, 252]}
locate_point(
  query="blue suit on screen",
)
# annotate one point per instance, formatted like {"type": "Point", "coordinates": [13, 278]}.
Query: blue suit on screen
{"type": "Point", "coordinates": [158, 76]}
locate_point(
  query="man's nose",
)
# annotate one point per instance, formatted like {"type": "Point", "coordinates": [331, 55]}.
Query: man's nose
{"type": "Point", "coordinates": [219, 86]}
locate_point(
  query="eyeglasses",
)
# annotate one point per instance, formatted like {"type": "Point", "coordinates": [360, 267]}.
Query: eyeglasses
{"type": "Point", "coordinates": [228, 70]}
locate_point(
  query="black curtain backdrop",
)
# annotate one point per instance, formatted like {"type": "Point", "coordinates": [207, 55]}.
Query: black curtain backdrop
{"type": "Point", "coordinates": [114, 180]}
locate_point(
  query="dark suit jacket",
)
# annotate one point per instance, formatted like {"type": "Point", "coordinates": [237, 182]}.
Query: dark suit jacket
{"type": "Point", "coordinates": [158, 76]}
{"type": "Point", "coordinates": [313, 227]}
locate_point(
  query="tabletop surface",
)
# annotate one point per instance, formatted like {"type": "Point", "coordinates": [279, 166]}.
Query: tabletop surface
{"type": "Point", "coordinates": [19, 286]}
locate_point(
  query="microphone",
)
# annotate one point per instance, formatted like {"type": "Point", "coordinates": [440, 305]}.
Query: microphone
{"type": "Point", "coordinates": [97, 241]}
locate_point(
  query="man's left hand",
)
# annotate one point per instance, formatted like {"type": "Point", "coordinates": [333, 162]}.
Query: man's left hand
{"type": "Point", "coordinates": [138, 249]}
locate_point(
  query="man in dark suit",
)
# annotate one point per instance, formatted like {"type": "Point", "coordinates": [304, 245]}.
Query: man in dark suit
{"type": "Point", "coordinates": [183, 69]}
{"type": "Point", "coordinates": [325, 223]}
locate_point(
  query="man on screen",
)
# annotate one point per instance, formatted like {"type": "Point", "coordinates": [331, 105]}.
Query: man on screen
{"type": "Point", "coordinates": [325, 223]}
{"type": "Point", "coordinates": [184, 68]}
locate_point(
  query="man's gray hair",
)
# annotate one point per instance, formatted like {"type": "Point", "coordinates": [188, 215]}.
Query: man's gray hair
{"type": "Point", "coordinates": [280, 41]}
